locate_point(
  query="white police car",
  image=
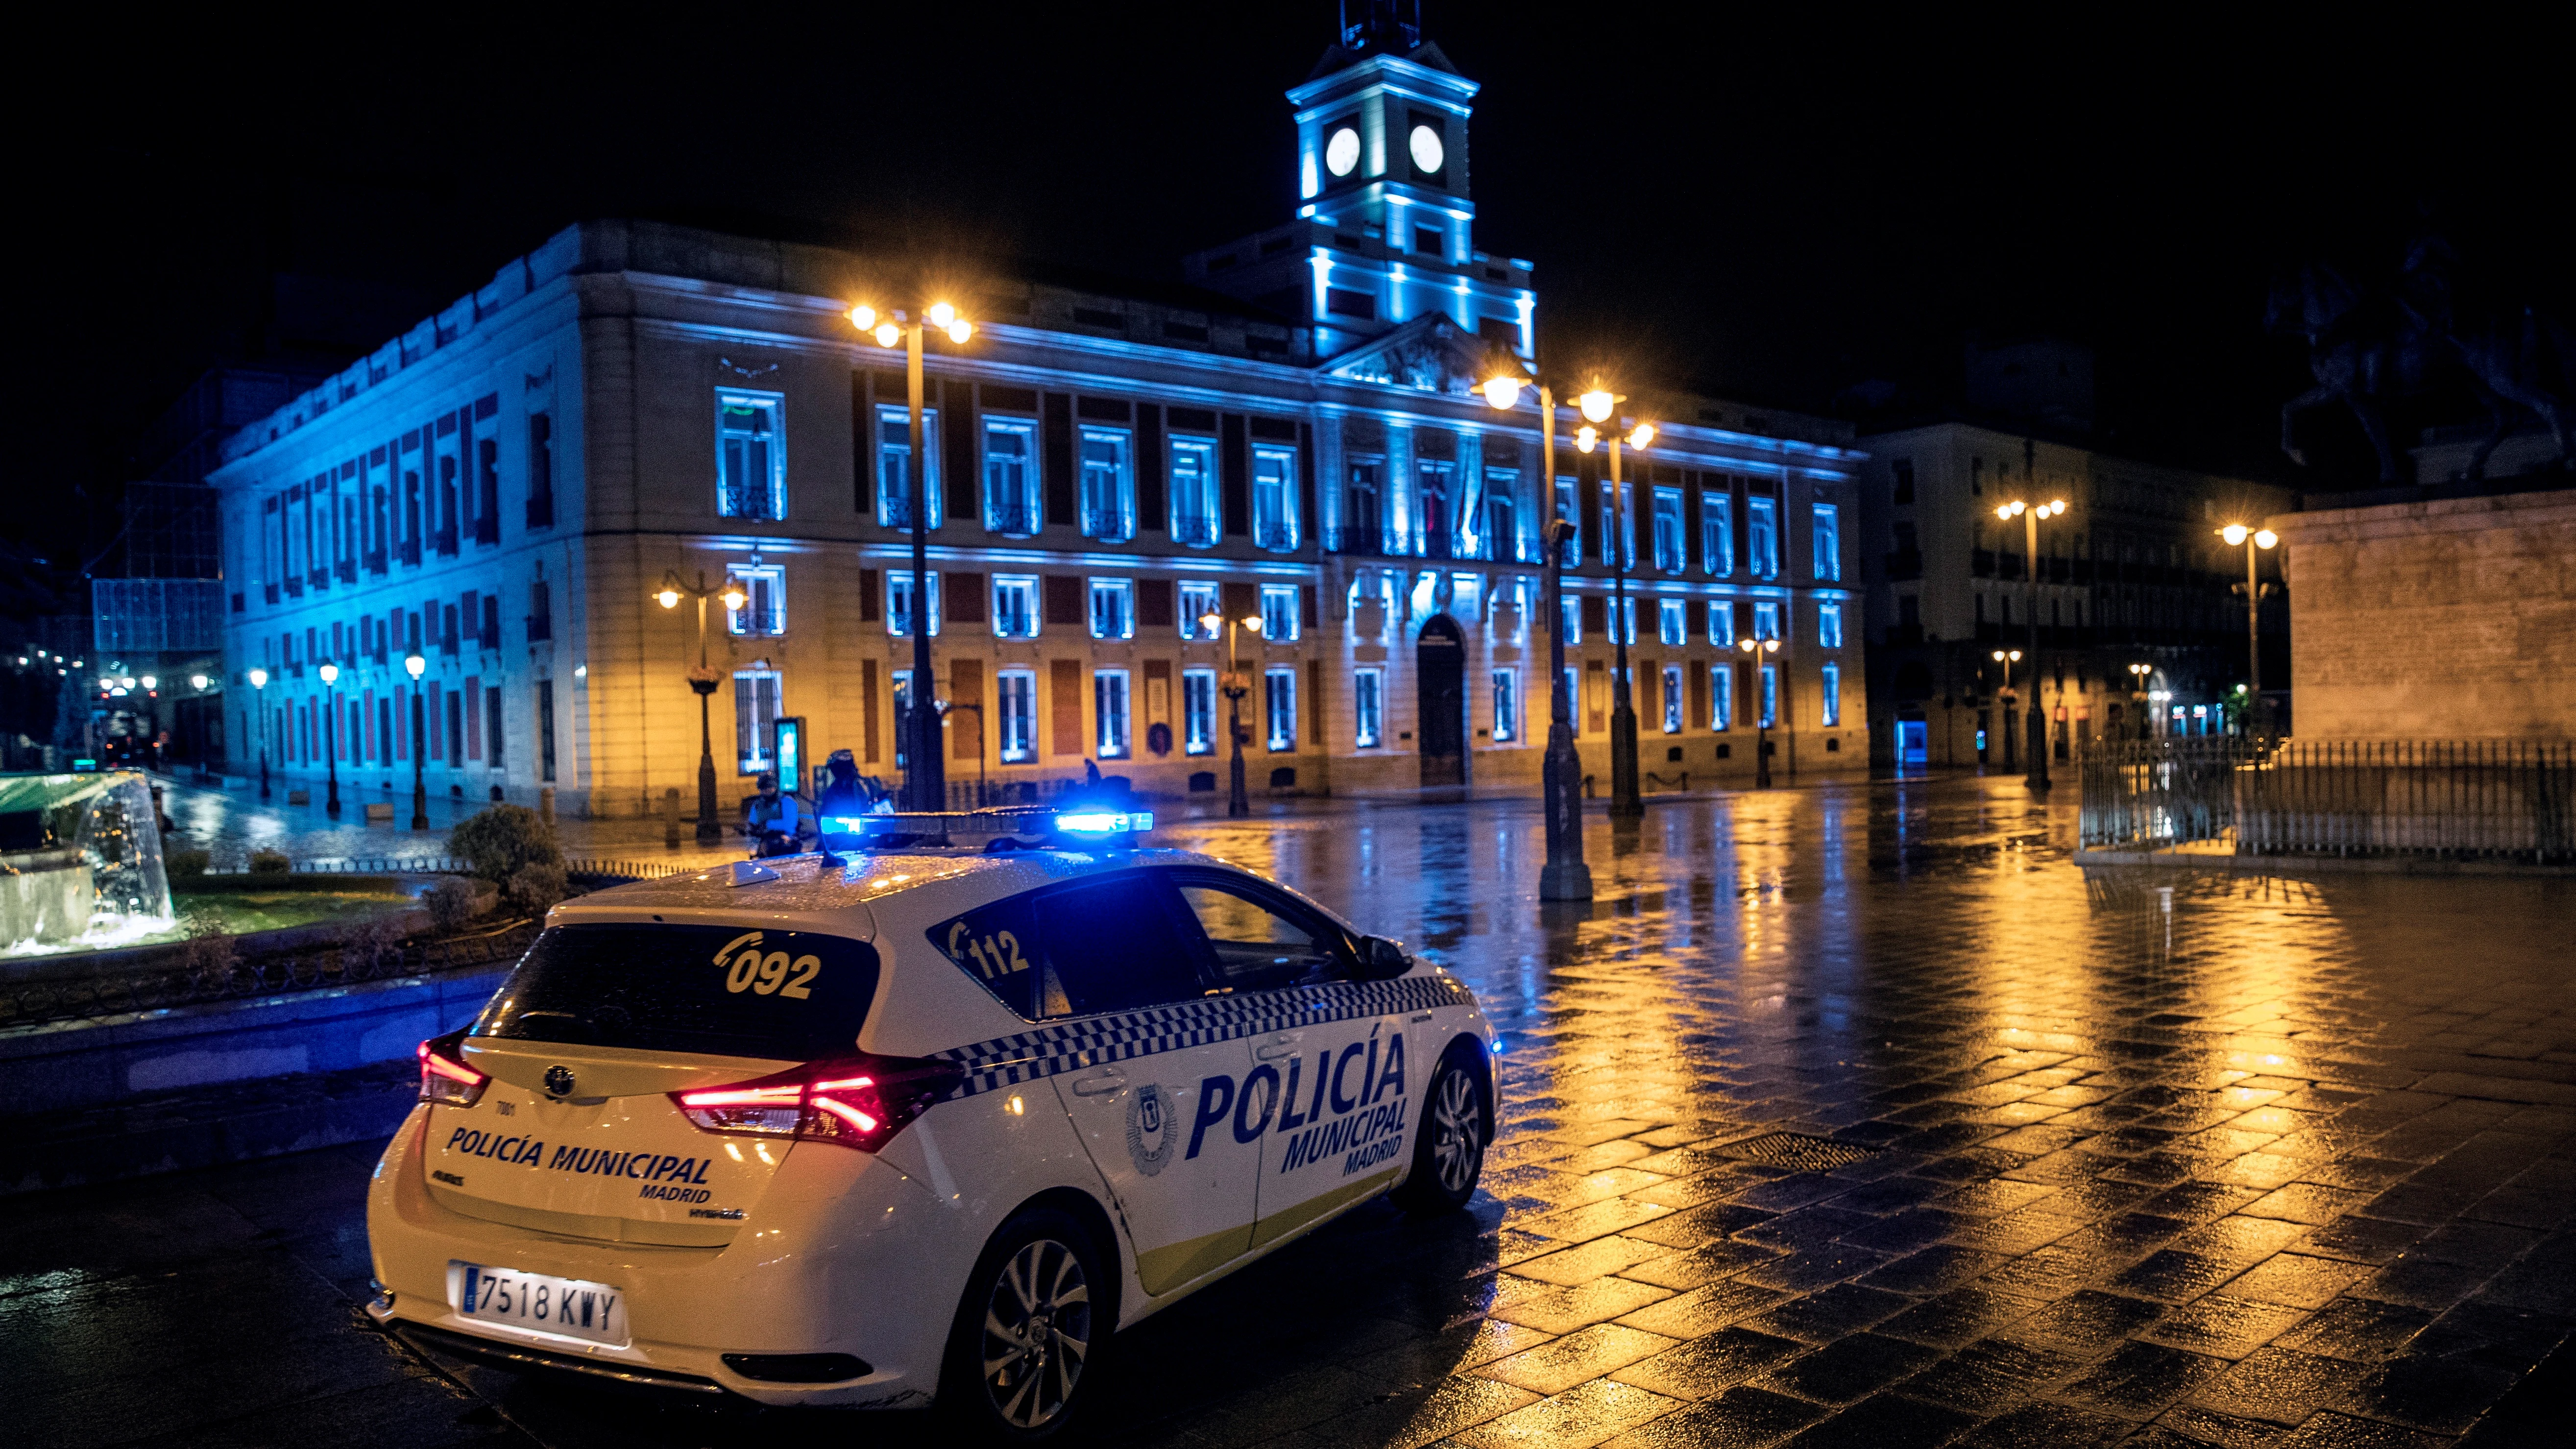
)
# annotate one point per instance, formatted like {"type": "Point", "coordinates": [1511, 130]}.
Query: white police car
{"type": "Point", "coordinates": [928, 1123]}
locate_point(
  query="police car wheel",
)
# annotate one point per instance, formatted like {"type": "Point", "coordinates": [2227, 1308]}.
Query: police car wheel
{"type": "Point", "coordinates": [1449, 1151]}
{"type": "Point", "coordinates": [1027, 1339]}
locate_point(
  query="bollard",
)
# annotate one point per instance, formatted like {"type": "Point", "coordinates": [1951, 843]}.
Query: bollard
{"type": "Point", "coordinates": [671, 819]}
{"type": "Point", "coordinates": [546, 805]}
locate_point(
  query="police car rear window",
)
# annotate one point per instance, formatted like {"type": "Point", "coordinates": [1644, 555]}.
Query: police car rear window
{"type": "Point", "coordinates": [720, 990]}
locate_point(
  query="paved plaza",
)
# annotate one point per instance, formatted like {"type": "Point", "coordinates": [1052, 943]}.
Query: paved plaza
{"type": "Point", "coordinates": [1853, 1115]}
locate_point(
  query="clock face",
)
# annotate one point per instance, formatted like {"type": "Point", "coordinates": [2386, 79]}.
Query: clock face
{"type": "Point", "coordinates": [1427, 154]}
{"type": "Point", "coordinates": [1342, 152]}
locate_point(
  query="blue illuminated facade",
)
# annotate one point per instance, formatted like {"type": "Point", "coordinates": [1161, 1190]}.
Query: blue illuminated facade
{"type": "Point", "coordinates": [505, 487]}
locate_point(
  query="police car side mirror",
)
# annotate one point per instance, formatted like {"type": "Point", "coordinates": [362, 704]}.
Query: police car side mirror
{"type": "Point", "coordinates": [1382, 959]}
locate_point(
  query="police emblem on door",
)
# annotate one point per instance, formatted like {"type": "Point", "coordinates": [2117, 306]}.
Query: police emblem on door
{"type": "Point", "coordinates": [1151, 1135]}
{"type": "Point", "coordinates": [559, 1081]}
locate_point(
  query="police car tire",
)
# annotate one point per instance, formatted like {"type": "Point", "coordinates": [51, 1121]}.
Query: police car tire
{"type": "Point", "coordinates": [964, 1396]}
{"type": "Point", "coordinates": [1422, 1192]}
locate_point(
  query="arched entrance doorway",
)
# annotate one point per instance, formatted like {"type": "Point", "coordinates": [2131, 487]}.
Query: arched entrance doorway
{"type": "Point", "coordinates": [1440, 677]}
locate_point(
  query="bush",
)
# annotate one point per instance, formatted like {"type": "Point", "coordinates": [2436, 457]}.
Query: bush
{"type": "Point", "coordinates": [365, 946]}
{"type": "Point", "coordinates": [503, 840]}
{"type": "Point", "coordinates": [450, 903]}
{"type": "Point", "coordinates": [535, 889]}
{"type": "Point", "coordinates": [270, 862]}
{"type": "Point", "coordinates": [186, 864]}
{"type": "Point", "coordinates": [210, 955]}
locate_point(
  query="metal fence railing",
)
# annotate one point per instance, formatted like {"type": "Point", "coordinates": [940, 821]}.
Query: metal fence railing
{"type": "Point", "coordinates": [2465, 799]}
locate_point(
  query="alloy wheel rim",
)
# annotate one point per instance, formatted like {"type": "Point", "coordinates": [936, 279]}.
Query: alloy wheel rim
{"type": "Point", "coordinates": [1037, 1333]}
{"type": "Point", "coordinates": [1457, 1135]}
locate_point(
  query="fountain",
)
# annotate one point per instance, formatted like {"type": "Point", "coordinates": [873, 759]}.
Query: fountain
{"type": "Point", "coordinates": [80, 863]}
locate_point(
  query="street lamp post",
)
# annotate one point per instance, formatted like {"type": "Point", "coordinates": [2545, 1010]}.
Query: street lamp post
{"type": "Point", "coordinates": [703, 680]}
{"type": "Point", "coordinates": [2140, 676]}
{"type": "Point", "coordinates": [1237, 803]}
{"type": "Point", "coordinates": [1625, 801]}
{"type": "Point", "coordinates": [2008, 658]}
{"type": "Point", "coordinates": [415, 666]}
{"type": "Point", "coordinates": [2035, 732]}
{"type": "Point", "coordinates": [1565, 877]}
{"type": "Point", "coordinates": [925, 783]}
{"type": "Point", "coordinates": [259, 697]}
{"type": "Point", "coordinates": [2260, 717]}
{"type": "Point", "coordinates": [1761, 715]}
{"type": "Point", "coordinates": [331, 738]}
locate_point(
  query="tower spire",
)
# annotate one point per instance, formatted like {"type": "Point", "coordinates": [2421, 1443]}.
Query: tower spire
{"type": "Point", "coordinates": [1389, 26]}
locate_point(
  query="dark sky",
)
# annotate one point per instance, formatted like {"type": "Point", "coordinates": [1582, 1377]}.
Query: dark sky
{"type": "Point", "coordinates": [1775, 206]}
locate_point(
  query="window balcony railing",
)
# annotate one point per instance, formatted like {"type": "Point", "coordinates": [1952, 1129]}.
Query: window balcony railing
{"type": "Point", "coordinates": [1274, 534]}
{"type": "Point", "coordinates": [760, 621]}
{"type": "Point", "coordinates": [489, 640]}
{"type": "Point", "coordinates": [295, 586]}
{"type": "Point", "coordinates": [1017, 519]}
{"type": "Point", "coordinates": [487, 529]}
{"type": "Point", "coordinates": [2008, 565]}
{"type": "Point", "coordinates": [447, 541]}
{"type": "Point", "coordinates": [411, 552]}
{"type": "Point", "coordinates": [1904, 564]}
{"type": "Point", "coordinates": [744, 503]}
{"type": "Point", "coordinates": [268, 593]}
{"type": "Point", "coordinates": [541, 627]}
{"type": "Point", "coordinates": [897, 514]}
{"type": "Point", "coordinates": [1981, 562]}
{"type": "Point", "coordinates": [347, 569]}
{"type": "Point", "coordinates": [1366, 538]}
{"type": "Point", "coordinates": [1195, 532]}
{"type": "Point", "coordinates": [1105, 525]}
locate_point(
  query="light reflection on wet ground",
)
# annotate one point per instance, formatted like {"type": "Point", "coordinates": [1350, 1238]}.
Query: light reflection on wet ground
{"type": "Point", "coordinates": [2191, 1157]}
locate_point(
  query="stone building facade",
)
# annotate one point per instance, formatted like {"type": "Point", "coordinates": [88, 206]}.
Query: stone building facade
{"type": "Point", "coordinates": [2134, 573]}
{"type": "Point", "coordinates": [504, 489]}
{"type": "Point", "coordinates": [2450, 619]}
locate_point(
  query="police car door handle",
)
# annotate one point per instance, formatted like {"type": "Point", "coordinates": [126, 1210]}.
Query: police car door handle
{"type": "Point", "coordinates": [1092, 1086]}
{"type": "Point", "coordinates": [1282, 1045]}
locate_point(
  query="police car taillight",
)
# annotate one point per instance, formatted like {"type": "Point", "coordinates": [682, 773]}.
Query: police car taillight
{"type": "Point", "coordinates": [859, 1101]}
{"type": "Point", "coordinates": [445, 1080]}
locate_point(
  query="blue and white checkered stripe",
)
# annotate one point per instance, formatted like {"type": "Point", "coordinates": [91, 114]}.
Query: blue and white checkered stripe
{"type": "Point", "coordinates": [1119, 1036]}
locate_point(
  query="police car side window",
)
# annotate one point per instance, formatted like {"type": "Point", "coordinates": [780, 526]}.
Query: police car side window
{"type": "Point", "coordinates": [1100, 945]}
{"type": "Point", "coordinates": [1258, 941]}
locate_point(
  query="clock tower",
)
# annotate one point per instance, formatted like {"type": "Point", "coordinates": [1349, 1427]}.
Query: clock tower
{"type": "Point", "coordinates": [1385, 228]}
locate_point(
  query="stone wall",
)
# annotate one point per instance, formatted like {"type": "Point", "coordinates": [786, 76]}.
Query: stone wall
{"type": "Point", "coordinates": [2453, 619]}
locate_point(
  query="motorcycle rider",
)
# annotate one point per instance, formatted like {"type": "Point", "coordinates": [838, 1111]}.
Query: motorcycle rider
{"type": "Point", "coordinates": [771, 819]}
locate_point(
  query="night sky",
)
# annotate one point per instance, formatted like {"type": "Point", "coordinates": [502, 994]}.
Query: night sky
{"type": "Point", "coordinates": [1774, 207]}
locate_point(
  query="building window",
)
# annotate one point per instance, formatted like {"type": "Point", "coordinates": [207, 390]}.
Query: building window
{"type": "Point", "coordinates": [1668, 530]}
{"type": "Point", "coordinates": [1569, 610]}
{"type": "Point", "coordinates": [751, 455]}
{"type": "Point", "coordinates": [1721, 696]}
{"type": "Point", "coordinates": [1672, 699]}
{"type": "Point", "coordinates": [1717, 532]}
{"type": "Point", "coordinates": [1766, 621]}
{"type": "Point", "coordinates": [1279, 613]}
{"type": "Point", "coordinates": [1368, 688]}
{"type": "Point", "coordinates": [1363, 509]}
{"type": "Point", "coordinates": [1833, 697]}
{"type": "Point", "coordinates": [1628, 619]}
{"type": "Point", "coordinates": [1770, 696]}
{"type": "Point", "coordinates": [755, 713]}
{"type": "Point", "coordinates": [1113, 609]}
{"type": "Point", "coordinates": [1279, 697]}
{"type": "Point", "coordinates": [1829, 543]}
{"type": "Point", "coordinates": [1502, 515]}
{"type": "Point", "coordinates": [899, 603]}
{"type": "Point", "coordinates": [1198, 600]}
{"type": "Point", "coordinates": [1016, 700]}
{"type": "Point", "coordinates": [1829, 625]}
{"type": "Point", "coordinates": [1109, 712]}
{"type": "Point", "coordinates": [1571, 554]}
{"type": "Point", "coordinates": [1015, 606]}
{"type": "Point", "coordinates": [1671, 621]}
{"type": "Point", "coordinates": [1274, 495]}
{"type": "Point", "coordinates": [894, 467]}
{"type": "Point", "coordinates": [1507, 705]}
{"type": "Point", "coordinates": [1198, 711]}
{"type": "Point", "coordinates": [1573, 694]}
{"type": "Point", "coordinates": [1108, 486]}
{"type": "Point", "coordinates": [541, 484]}
{"type": "Point", "coordinates": [1196, 519]}
{"type": "Point", "coordinates": [1765, 531]}
{"type": "Point", "coordinates": [902, 713]}
{"type": "Point", "coordinates": [764, 601]}
{"type": "Point", "coordinates": [1011, 477]}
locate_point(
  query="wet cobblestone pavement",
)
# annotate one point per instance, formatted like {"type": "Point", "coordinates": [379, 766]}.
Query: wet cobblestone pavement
{"type": "Point", "coordinates": [1845, 1116]}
